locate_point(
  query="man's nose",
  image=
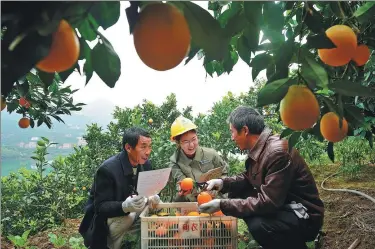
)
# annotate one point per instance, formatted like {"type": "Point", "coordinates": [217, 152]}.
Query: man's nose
{"type": "Point", "coordinates": [148, 151]}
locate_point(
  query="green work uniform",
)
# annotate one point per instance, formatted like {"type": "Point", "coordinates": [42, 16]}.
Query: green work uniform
{"type": "Point", "coordinates": [204, 160]}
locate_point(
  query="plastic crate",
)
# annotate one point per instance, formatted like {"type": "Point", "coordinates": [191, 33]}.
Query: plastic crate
{"type": "Point", "coordinates": [198, 232]}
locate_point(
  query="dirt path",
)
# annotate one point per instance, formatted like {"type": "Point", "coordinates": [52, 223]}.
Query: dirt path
{"type": "Point", "coordinates": [348, 216]}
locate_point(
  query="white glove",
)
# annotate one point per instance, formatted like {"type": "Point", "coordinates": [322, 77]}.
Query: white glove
{"type": "Point", "coordinates": [153, 201]}
{"type": "Point", "coordinates": [210, 207]}
{"type": "Point", "coordinates": [215, 184]}
{"type": "Point", "coordinates": [134, 204]}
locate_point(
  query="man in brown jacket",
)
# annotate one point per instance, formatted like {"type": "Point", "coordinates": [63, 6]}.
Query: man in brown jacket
{"type": "Point", "coordinates": [277, 195]}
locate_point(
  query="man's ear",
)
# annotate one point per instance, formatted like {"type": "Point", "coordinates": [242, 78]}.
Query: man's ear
{"type": "Point", "coordinates": [127, 147]}
{"type": "Point", "coordinates": [245, 129]}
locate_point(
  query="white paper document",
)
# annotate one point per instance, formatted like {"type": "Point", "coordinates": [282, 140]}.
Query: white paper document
{"type": "Point", "coordinates": [152, 182]}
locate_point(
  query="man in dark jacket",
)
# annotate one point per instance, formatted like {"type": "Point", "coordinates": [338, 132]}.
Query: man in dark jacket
{"type": "Point", "coordinates": [113, 206]}
{"type": "Point", "coordinates": [277, 195]}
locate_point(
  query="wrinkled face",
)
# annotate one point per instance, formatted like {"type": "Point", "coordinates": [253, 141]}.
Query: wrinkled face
{"type": "Point", "coordinates": [239, 137]}
{"type": "Point", "coordinates": [141, 152]}
{"type": "Point", "coordinates": [189, 143]}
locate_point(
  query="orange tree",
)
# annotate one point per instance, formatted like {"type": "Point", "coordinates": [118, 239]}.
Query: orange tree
{"type": "Point", "coordinates": [327, 44]}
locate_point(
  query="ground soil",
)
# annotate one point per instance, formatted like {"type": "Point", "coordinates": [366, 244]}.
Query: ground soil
{"type": "Point", "coordinates": [347, 216]}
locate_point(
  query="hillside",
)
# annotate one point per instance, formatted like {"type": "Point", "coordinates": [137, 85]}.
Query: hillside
{"type": "Point", "coordinates": [17, 145]}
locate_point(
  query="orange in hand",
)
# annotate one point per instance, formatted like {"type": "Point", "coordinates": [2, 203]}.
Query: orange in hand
{"type": "Point", "coordinates": [204, 197]}
{"type": "Point", "coordinates": [187, 184]}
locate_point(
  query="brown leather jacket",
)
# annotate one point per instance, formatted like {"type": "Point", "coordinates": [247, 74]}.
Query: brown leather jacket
{"type": "Point", "coordinates": [273, 177]}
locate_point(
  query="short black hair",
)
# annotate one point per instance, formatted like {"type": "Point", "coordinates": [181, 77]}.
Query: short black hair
{"type": "Point", "coordinates": [131, 136]}
{"type": "Point", "coordinates": [247, 116]}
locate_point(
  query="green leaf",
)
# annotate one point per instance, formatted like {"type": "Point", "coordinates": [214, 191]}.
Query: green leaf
{"type": "Point", "coordinates": [32, 123]}
{"type": "Point", "coordinates": [369, 138]}
{"type": "Point", "coordinates": [106, 62]}
{"type": "Point", "coordinates": [12, 106]}
{"type": "Point", "coordinates": [271, 69]}
{"type": "Point", "coordinates": [46, 78]}
{"type": "Point", "coordinates": [213, 5]}
{"type": "Point", "coordinates": [353, 114]}
{"type": "Point", "coordinates": [286, 132]}
{"type": "Point", "coordinates": [40, 122]}
{"type": "Point", "coordinates": [132, 14]}
{"type": "Point", "coordinates": [86, 52]}
{"type": "Point", "coordinates": [337, 9]}
{"type": "Point", "coordinates": [106, 13]}
{"type": "Point", "coordinates": [259, 63]}
{"type": "Point", "coordinates": [273, 16]}
{"type": "Point", "coordinates": [274, 92]}
{"type": "Point", "coordinates": [313, 20]}
{"type": "Point", "coordinates": [243, 51]}
{"type": "Point", "coordinates": [251, 32]}
{"type": "Point", "coordinates": [205, 31]}
{"type": "Point", "coordinates": [293, 140]}
{"type": "Point", "coordinates": [253, 12]}
{"type": "Point", "coordinates": [230, 61]}
{"type": "Point", "coordinates": [235, 24]}
{"type": "Point", "coordinates": [330, 151]}
{"type": "Point", "coordinates": [313, 73]}
{"type": "Point", "coordinates": [229, 13]}
{"type": "Point", "coordinates": [365, 12]}
{"type": "Point", "coordinates": [192, 52]}
{"type": "Point", "coordinates": [348, 88]}
{"type": "Point", "coordinates": [289, 5]}
{"type": "Point", "coordinates": [316, 132]}
{"type": "Point", "coordinates": [23, 89]}
{"type": "Point", "coordinates": [45, 139]}
{"type": "Point", "coordinates": [88, 28]}
{"type": "Point", "coordinates": [329, 103]}
{"type": "Point", "coordinates": [320, 40]}
{"type": "Point", "coordinates": [340, 109]}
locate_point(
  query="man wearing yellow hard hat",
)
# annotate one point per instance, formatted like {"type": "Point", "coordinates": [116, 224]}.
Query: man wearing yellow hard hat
{"type": "Point", "coordinates": [190, 159]}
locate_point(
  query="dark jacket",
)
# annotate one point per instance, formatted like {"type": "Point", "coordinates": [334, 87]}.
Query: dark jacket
{"type": "Point", "coordinates": [113, 183]}
{"type": "Point", "coordinates": [273, 177]}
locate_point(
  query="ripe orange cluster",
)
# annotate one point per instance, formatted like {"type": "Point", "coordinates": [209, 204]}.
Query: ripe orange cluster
{"type": "Point", "coordinates": [300, 110]}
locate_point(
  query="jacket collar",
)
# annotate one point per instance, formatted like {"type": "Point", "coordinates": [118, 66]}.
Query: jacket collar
{"type": "Point", "coordinates": [125, 163]}
{"type": "Point", "coordinates": [255, 152]}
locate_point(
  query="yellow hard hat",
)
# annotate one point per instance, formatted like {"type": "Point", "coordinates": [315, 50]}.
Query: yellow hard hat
{"type": "Point", "coordinates": [180, 126]}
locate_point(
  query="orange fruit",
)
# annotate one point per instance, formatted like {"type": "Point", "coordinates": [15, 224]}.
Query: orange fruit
{"type": "Point", "coordinates": [161, 36]}
{"type": "Point", "coordinates": [330, 127]}
{"type": "Point", "coordinates": [193, 213]}
{"type": "Point", "coordinates": [24, 123]}
{"type": "Point", "coordinates": [346, 44]}
{"type": "Point", "coordinates": [150, 121]}
{"type": "Point", "coordinates": [362, 54]}
{"type": "Point", "coordinates": [299, 109]}
{"type": "Point", "coordinates": [218, 213]}
{"type": "Point", "coordinates": [3, 103]}
{"type": "Point", "coordinates": [187, 184]}
{"type": "Point", "coordinates": [204, 214]}
{"type": "Point", "coordinates": [203, 197]}
{"type": "Point", "coordinates": [64, 50]}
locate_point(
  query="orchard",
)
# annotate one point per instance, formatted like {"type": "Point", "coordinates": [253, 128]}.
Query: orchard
{"type": "Point", "coordinates": [318, 88]}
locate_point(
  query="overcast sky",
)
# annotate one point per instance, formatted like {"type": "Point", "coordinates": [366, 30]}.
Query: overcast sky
{"type": "Point", "coordinates": [138, 82]}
